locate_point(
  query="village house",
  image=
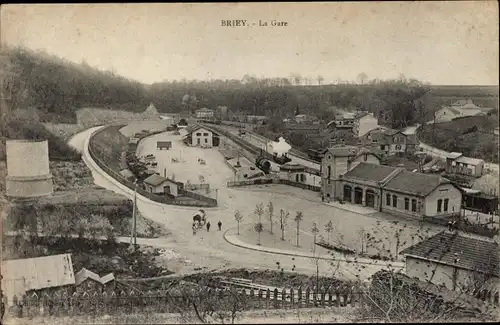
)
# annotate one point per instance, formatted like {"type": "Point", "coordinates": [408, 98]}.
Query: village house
{"type": "Point", "coordinates": [458, 261]}
{"type": "Point", "coordinates": [205, 114]}
{"type": "Point", "coordinates": [343, 120]}
{"type": "Point", "coordinates": [337, 160]}
{"type": "Point", "coordinates": [201, 137]}
{"type": "Point", "coordinates": [90, 282]}
{"type": "Point", "coordinates": [256, 119]}
{"type": "Point", "coordinates": [460, 108]}
{"type": "Point", "coordinates": [305, 119]}
{"type": "Point", "coordinates": [157, 184]}
{"type": "Point", "coordinates": [396, 190]}
{"type": "Point", "coordinates": [299, 174]}
{"type": "Point", "coordinates": [47, 274]}
{"type": "Point", "coordinates": [456, 163]}
{"type": "Point", "coordinates": [390, 141]}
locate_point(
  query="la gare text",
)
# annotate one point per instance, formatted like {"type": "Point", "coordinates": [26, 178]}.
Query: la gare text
{"type": "Point", "coordinates": [246, 23]}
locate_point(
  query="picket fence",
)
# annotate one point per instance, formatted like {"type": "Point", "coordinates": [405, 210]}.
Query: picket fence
{"type": "Point", "coordinates": [98, 303]}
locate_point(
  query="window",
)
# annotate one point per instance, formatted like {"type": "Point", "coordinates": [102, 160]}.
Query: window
{"type": "Point", "coordinates": [413, 205]}
{"type": "Point", "coordinates": [198, 134]}
{"type": "Point", "coordinates": [365, 157]}
{"type": "Point", "coordinates": [329, 169]}
{"type": "Point", "coordinates": [205, 134]}
{"type": "Point", "coordinates": [394, 201]}
{"type": "Point", "coordinates": [440, 202]}
{"type": "Point", "coordinates": [374, 141]}
{"type": "Point", "coordinates": [445, 207]}
{"type": "Point", "coordinates": [407, 203]}
{"type": "Point", "coordinates": [382, 147]}
{"type": "Point", "coordinates": [388, 199]}
{"type": "Point", "coordinates": [206, 140]}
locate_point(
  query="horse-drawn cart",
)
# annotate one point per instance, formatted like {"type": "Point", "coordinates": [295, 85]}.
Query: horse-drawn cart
{"type": "Point", "coordinates": [199, 219]}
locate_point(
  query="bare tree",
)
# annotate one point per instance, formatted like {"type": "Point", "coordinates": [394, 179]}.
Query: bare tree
{"type": "Point", "coordinates": [270, 215]}
{"type": "Point", "coordinates": [298, 218]}
{"type": "Point", "coordinates": [259, 228]}
{"type": "Point", "coordinates": [315, 232]}
{"type": "Point", "coordinates": [283, 222]}
{"type": "Point", "coordinates": [362, 78]}
{"type": "Point", "coordinates": [238, 216]}
{"type": "Point", "coordinates": [259, 211]}
{"type": "Point", "coordinates": [329, 229]}
{"type": "Point", "coordinates": [320, 79]}
{"type": "Point", "coordinates": [201, 302]}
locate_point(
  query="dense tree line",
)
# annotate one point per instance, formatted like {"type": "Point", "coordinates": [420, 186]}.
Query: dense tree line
{"type": "Point", "coordinates": [57, 87]}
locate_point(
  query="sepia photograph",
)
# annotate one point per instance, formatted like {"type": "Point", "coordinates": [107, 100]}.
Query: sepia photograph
{"type": "Point", "coordinates": [244, 163]}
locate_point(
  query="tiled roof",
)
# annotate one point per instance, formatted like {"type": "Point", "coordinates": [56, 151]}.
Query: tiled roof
{"type": "Point", "coordinates": [343, 151]}
{"type": "Point", "coordinates": [85, 274]}
{"type": "Point", "coordinates": [454, 155]}
{"type": "Point", "coordinates": [471, 253]}
{"type": "Point", "coordinates": [27, 274]}
{"type": "Point", "coordinates": [370, 172]}
{"type": "Point", "coordinates": [155, 180]}
{"type": "Point", "coordinates": [415, 183]}
{"type": "Point", "coordinates": [469, 161]}
{"type": "Point", "coordinates": [193, 127]}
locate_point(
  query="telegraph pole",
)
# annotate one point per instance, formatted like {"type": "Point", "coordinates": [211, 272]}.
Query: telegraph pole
{"type": "Point", "coordinates": [134, 218]}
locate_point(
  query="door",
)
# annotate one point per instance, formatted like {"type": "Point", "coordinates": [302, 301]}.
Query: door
{"type": "Point", "coordinates": [358, 195]}
{"type": "Point", "coordinates": [370, 198]}
{"type": "Point", "coordinates": [198, 141]}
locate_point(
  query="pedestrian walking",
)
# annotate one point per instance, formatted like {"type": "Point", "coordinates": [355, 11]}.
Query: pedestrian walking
{"type": "Point", "coordinates": [208, 226]}
{"type": "Point", "coordinates": [220, 225]}
{"type": "Point", "coordinates": [194, 228]}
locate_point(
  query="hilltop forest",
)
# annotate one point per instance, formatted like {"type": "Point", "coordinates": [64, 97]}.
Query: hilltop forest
{"type": "Point", "coordinates": [52, 89]}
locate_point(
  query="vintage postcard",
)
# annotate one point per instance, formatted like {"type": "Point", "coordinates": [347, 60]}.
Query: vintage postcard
{"type": "Point", "coordinates": [262, 162]}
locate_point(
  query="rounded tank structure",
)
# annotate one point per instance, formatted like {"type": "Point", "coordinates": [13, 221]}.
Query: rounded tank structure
{"type": "Point", "coordinates": [28, 172]}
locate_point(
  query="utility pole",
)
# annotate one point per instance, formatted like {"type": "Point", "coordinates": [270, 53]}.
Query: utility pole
{"type": "Point", "coordinates": [134, 220]}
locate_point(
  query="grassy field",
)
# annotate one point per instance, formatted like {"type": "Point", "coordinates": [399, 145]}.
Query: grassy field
{"type": "Point", "coordinates": [452, 136]}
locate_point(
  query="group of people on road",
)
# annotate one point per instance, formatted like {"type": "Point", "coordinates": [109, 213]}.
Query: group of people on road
{"type": "Point", "coordinates": [219, 224]}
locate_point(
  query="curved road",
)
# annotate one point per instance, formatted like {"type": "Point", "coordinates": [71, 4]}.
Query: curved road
{"type": "Point", "coordinates": [210, 250]}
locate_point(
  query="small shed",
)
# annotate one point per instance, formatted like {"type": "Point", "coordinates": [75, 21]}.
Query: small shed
{"type": "Point", "coordinates": [157, 184]}
{"type": "Point", "coordinates": [160, 145]}
{"type": "Point", "coordinates": [40, 274]}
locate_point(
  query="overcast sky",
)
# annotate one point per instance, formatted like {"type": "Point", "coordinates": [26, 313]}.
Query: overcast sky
{"type": "Point", "coordinates": [440, 43]}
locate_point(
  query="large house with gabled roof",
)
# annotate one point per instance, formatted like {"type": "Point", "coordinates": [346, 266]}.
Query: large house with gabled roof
{"type": "Point", "coordinates": [396, 190]}
{"type": "Point", "coordinates": [459, 261]}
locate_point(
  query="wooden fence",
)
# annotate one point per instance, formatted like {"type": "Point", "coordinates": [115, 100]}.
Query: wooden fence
{"type": "Point", "coordinates": [196, 187]}
{"type": "Point", "coordinates": [98, 303]}
{"type": "Point", "coordinates": [203, 200]}
{"type": "Point", "coordinates": [260, 181]}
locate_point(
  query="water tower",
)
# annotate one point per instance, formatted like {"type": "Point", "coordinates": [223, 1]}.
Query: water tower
{"type": "Point", "coordinates": [28, 173]}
